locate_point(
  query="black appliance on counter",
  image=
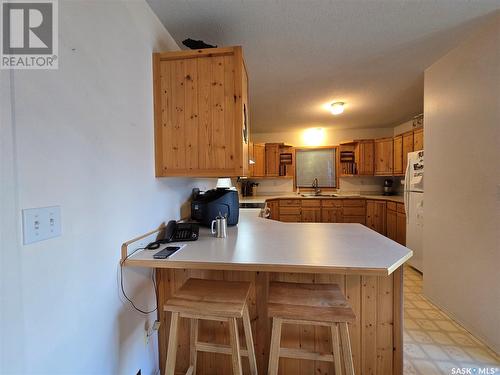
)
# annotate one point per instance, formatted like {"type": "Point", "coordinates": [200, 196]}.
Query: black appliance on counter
{"type": "Point", "coordinates": [207, 205]}
{"type": "Point", "coordinates": [388, 187]}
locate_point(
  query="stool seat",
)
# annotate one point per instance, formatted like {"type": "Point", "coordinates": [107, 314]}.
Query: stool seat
{"type": "Point", "coordinates": [313, 302]}
{"type": "Point", "coordinates": [211, 298]}
{"type": "Point", "coordinates": [200, 299]}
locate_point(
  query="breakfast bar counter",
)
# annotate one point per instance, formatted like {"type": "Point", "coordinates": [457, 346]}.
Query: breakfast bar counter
{"type": "Point", "coordinates": [366, 265]}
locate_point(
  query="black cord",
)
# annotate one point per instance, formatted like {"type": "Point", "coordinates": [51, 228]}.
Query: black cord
{"type": "Point", "coordinates": [152, 279]}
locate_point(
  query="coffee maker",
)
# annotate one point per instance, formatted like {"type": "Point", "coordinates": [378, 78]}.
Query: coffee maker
{"type": "Point", "coordinates": [388, 186]}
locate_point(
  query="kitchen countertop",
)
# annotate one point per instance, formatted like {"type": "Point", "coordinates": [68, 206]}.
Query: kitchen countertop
{"type": "Point", "coordinates": [258, 244]}
{"type": "Point", "coordinates": [263, 198]}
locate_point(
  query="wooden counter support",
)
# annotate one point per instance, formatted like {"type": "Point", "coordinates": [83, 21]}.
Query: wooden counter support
{"type": "Point", "coordinates": [376, 301]}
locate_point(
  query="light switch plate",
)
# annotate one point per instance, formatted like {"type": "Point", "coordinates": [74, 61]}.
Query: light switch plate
{"type": "Point", "coordinates": [41, 224]}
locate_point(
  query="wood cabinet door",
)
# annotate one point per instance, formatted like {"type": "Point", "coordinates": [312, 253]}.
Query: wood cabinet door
{"type": "Point", "coordinates": [201, 113]}
{"type": "Point", "coordinates": [272, 159]}
{"type": "Point", "coordinates": [331, 214]}
{"type": "Point", "coordinates": [366, 158]}
{"type": "Point", "coordinates": [383, 156]}
{"type": "Point", "coordinates": [407, 147]}
{"type": "Point", "coordinates": [391, 225]}
{"type": "Point", "coordinates": [290, 218]}
{"type": "Point", "coordinates": [274, 208]}
{"type": "Point", "coordinates": [398, 155]}
{"type": "Point", "coordinates": [259, 157]}
{"type": "Point", "coordinates": [418, 139]}
{"type": "Point", "coordinates": [401, 228]}
{"type": "Point", "coordinates": [311, 215]}
{"type": "Point", "coordinates": [376, 215]}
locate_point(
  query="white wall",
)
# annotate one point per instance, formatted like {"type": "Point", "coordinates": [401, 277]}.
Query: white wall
{"type": "Point", "coordinates": [462, 187]}
{"type": "Point", "coordinates": [82, 137]}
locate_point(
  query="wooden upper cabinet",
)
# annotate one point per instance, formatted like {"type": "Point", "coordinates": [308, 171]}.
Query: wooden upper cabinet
{"type": "Point", "coordinates": [201, 113]}
{"type": "Point", "coordinates": [383, 156]}
{"type": "Point", "coordinates": [398, 155]}
{"type": "Point", "coordinates": [272, 159]}
{"type": "Point", "coordinates": [366, 154]}
{"type": "Point", "coordinates": [418, 139]}
{"type": "Point", "coordinates": [259, 157]}
{"type": "Point", "coordinates": [407, 147]}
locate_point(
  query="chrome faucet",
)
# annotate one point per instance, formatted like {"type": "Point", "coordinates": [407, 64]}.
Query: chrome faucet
{"type": "Point", "coordinates": [315, 186]}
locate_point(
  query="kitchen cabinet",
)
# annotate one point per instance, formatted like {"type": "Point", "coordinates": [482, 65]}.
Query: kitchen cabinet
{"type": "Point", "coordinates": [331, 211]}
{"type": "Point", "coordinates": [311, 211]}
{"type": "Point", "coordinates": [272, 159]}
{"type": "Point", "coordinates": [396, 222]}
{"type": "Point", "coordinates": [354, 211]}
{"type": "Point", "coordinates": [418, 139]}
{"type": "Point", "coordinates": [398, 155]}
{"type": "Point", "coordinates": [366, 154]}
{"type": "Point", "coordinates": [376, 215]}
{"type": "Point", "coordinates": [383, 156]}
{"type": "Point", "coordinates": [274, 209]}
{"type": "Point", "coordinates": [407, 147]}
{"type": "Point", "coordinates": [201, 113]}
{"type": "Point", "coordinates": [259, 158]}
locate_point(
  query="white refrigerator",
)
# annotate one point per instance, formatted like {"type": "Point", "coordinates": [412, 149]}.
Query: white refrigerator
{"type": "Point", "coordinates": [414, 206]}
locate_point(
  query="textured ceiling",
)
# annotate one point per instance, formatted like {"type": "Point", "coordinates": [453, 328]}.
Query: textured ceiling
{"type": "Point", "coordinates": [302, 55]}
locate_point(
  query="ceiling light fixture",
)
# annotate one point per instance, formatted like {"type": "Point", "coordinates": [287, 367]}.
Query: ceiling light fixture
{"type": "Point", "coordinates": [337, 108]}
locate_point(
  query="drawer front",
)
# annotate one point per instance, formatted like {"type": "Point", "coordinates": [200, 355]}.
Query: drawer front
{"type": "Point", "coordinates": [354, 202]}
{"type": "Point", "coordinates": [289, 202]}
{"type": "Point", "coordinates": [311, 203]}
{"type": "Point", "coordinates": [290, 218]}
{"type": "Point", "coordinates": [401, 208]}
{"type": "Point", "coordinates": [289, 210]}
{"type": "Point", "coordinates": [354, 211]}
{"type": "Point", "coordinates": [391, 206]}
{"type": "Point", "coordinates": [331, 202]}
{"type": "Point", "coordinates": [354, 219]}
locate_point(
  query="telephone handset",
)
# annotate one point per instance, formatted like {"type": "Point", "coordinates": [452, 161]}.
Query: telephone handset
{"type": "Point", "coordinates": [176, 232]}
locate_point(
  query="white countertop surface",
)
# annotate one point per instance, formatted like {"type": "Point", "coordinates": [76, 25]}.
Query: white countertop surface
{"type": "Point", "coordinates": [263, 198]}
{"type": "Point", "coordinates": [258, 244]}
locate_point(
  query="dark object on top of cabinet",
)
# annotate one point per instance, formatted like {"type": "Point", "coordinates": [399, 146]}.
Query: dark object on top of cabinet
{"type": "Point", "coordinates": [196, 44]}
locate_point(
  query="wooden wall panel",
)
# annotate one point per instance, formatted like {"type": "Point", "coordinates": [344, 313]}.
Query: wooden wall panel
{"type": "Point", "coordinates": [376, 302]}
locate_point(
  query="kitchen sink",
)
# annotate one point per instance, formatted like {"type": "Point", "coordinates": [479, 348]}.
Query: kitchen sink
{"type": "Point", "coordinates": [318, 195]}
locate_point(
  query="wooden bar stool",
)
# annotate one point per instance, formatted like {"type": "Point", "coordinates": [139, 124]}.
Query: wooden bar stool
{"type": "Point", "coordinates": [310, 304]}
{"type": "Point", "coordinates": [223, 301]}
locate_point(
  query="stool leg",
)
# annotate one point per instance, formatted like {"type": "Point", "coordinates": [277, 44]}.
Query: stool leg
{"type": "Point", "coordinates": [172, 344]}
{"type": "Point", "coordinates": [346, 349]}
{"type": "Point", "coordinates": [337, 360]}
{"type": "Point", "coordinates": [192, 345]}
{"type": "Point", "coordinates": [274, 352]}
{"type": "Point", "coordinates": [235, 346]}
{"type": "Point", "coordinates": [249, 340]}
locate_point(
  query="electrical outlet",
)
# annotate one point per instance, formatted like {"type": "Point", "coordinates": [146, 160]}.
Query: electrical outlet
{"type": "Point", "coordinates": [41, 224]}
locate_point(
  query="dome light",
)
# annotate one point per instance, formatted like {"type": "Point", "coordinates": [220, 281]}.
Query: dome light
{"type": "Point", "coordinates": [337, 108]}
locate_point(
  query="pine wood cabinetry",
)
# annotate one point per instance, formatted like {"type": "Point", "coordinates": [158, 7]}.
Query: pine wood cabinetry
{"type": "Point", "coordinates": [201, 113]}
{"type": "Point", "coordinates": [272, 159]}
{"type": "Point", "coordinates": [311, 211]}
{"type": "Point", "coordinates": [383, 156]}
{"type": "Point", "coordinates": [259, 158]}
{"type": "Point", "coordinates": [366, 154]}
{"type": "Point", "coordinates": [386, 217]}
{"type": "Point", "coordinates": [407, 147]}
{"type": "Point", "coordinates": [396, 222]}
{"type": "Point", "coordinates": [376, 215]}
{"type": "Point", "coordinates": [418, 139]}
{"type": "Point", "coordinates": [398, 155]}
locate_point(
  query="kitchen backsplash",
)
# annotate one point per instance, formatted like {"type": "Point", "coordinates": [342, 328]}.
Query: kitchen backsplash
{"type": "Point", "coordinates": [366, 184]}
